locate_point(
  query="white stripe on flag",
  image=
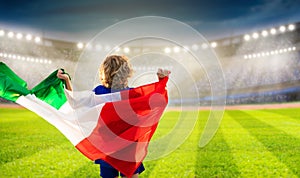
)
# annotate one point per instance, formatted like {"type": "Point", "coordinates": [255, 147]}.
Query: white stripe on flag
{"type": "Point", "coordinates": [64, 123]}
{"type": "Point", "coordinates": [77, 120]}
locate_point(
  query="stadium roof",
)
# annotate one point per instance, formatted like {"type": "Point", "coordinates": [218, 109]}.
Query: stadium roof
{"type": "Point", "coordinates": [81, 20]}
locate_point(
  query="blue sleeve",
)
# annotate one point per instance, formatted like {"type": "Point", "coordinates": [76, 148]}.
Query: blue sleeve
{"type": "Point", "coordinates": [100, 89]}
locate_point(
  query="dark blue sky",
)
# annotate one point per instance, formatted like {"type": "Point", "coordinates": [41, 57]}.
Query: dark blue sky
{"type": "Point", "coordinates": [82, 19]}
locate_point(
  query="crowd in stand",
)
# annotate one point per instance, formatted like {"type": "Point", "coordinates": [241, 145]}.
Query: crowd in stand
{"type": "Point", "coordinates": [238, 73]}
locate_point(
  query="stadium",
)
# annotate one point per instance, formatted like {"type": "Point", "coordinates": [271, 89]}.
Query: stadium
{"type": "Point", "coordinates": [258, 136]}
{"type": "Point", "coordinates": [259, 67]}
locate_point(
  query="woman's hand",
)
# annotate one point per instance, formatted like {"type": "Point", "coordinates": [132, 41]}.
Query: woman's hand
{"type": "Point", "coordinates": [161, 73]}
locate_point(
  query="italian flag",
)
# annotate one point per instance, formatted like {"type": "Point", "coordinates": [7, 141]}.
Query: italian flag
{"type": "Point", "coordinates": [115, 127]}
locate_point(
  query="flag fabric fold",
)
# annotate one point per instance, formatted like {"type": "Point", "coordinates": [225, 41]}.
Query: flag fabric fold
{"type": "Point", "coordinates": [115, 127]}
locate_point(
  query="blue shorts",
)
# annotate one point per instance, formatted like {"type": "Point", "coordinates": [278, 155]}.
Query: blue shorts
{"type": "Point", "coordinates": [107, 171]}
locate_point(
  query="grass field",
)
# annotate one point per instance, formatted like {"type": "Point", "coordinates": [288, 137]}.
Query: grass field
{"type": "Point", "coordinates": [249, 143]}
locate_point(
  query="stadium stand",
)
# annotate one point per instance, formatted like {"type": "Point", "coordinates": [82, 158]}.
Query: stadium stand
{"type": "Point", "coordinates": [259, 67]}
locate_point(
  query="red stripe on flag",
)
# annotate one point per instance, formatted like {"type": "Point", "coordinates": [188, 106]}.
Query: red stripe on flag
{"type": "Point", "coordinates": [125, 127]}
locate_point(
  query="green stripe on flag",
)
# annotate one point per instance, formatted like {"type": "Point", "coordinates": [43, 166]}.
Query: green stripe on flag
{"type": "Point", "coordinates": [50, 90]}
{"type": "Point", "coordinates": [9, 73]}
{"type": "Point", "coordinates": [11, 85]}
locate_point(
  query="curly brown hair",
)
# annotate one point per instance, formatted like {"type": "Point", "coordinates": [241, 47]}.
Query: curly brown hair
{"type": "Point", "coordinates": [116, 70]}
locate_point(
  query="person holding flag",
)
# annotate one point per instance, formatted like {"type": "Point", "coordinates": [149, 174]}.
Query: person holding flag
{"type": "Point", "coordinates": [114, 73]}
{"type": "Point", "coordinates": [115, 127]}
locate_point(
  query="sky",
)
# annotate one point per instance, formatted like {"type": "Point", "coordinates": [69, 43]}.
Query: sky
{"type": "Point", "coordinates": [80, 20]}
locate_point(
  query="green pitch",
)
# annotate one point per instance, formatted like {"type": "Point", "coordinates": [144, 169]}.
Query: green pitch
{"type": "Point", "coordinates": [249, 143]}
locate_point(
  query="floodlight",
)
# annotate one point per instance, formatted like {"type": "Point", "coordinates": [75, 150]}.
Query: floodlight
{"type": "Point", "coordinates": [264, 33]}
{"type": "Point", "coordinates": [10, 34]}
{"type": "Point", "coordinates": [126, 50]}
{"type": "Point", "coordinates": [282, 29]}
{"type": "Point", "coordinates": [2, 32]}
{"type": "Point", "coordinates": [213, 44]}
{"type": "Point", "coordinates": [294, 48]}
{"type": "Point", "coordinates": [167, 50]}
{"type": "Point", "coordinates": [291, 27]}
{"type": "Point", "coordinates": [1, 54]}
{"type": "Point", "coordinates": [176, 49]}
{"type": "Point", "coordinates": [273, 31]}
{"type": "Point", "coordinates": [245, 57]}
{"type": "Point", "coordinates": [28, 37]}
{"type": "Point", "coordinates": [255, 35]}
{"type": "Point", "coordinates": [247, 37]}
{"type": "Point", "coordinates": [37, 39]}
{"type": "Point", "coordinates": [19, 36]}
{"type": "Point", "coordinates": [79, 45]}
